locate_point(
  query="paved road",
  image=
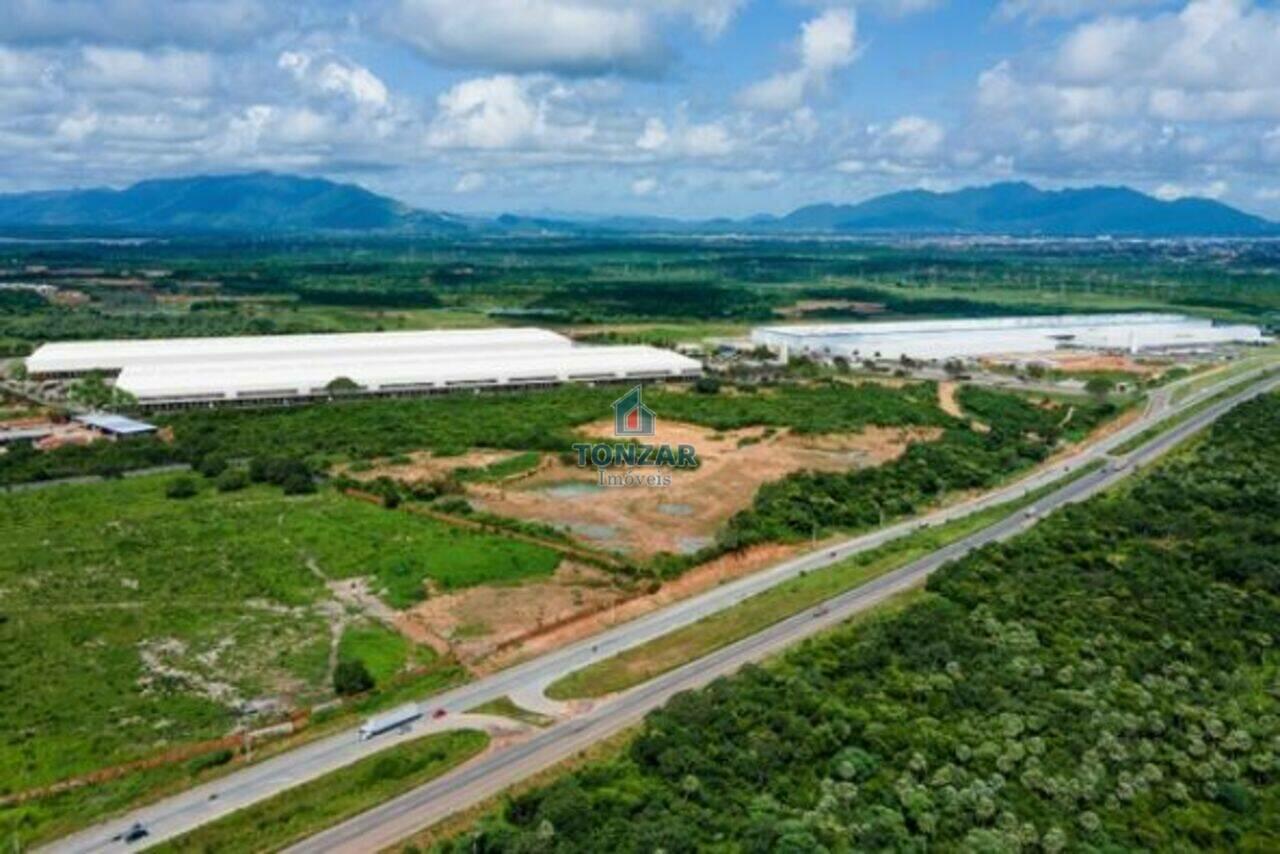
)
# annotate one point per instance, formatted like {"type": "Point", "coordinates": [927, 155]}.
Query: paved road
{"type": "Point", "coordinates": [187, 810]}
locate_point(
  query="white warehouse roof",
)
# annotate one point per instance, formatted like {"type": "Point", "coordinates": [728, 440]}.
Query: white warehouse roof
{"type": "Point", "coordinates": [261, 350]}
{"type": "Point", "coordinates": [402, 374]}
{"type": "Point", "coordinates": [944, 339]}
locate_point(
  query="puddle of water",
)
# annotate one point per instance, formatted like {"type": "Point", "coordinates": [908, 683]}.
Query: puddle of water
{"type": "Point", "coordinates": [690, 545]}
{"type": "Point", "coordinates": [594, 532]}
{"type": "Point", "coordinates": [571, 490]}
{"type": "Point", "coordinates": [676, 509]}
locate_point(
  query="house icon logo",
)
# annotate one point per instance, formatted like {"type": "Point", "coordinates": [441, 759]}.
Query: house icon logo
{"type": "Point", "coordinates": [631, 417]}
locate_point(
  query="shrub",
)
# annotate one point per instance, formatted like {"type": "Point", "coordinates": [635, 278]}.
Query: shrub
{"type": "Point", "coordinates": [707, 385]}
{"type": "Point", "coordinates": [212, 466]}
{"type": "Point", "coordinates": [182, 487]}
{"type": "Point", "coordinates": [298, 483]}
{"type": "Point", "coordinates": [232, 480]}
{"type": "Point", "coordinates": [351, 677]}
{"type": "Point", "coordinates": [210, 760]}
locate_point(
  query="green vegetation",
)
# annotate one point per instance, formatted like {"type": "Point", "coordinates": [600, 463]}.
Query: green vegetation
{"type": "Point", "coordinates": [507, 708]}
{"type": "Point", "coordinates": [636, 288]}
{"type": "Point", "coordinates": [501, 470]}
{"type": "Point", "coordinates": [130, 622]}
{"type": "Point", "coordinates": [1172, 421]}
{"type": "Point", "coordinates": [1021, 434]}
{"type": "Point", "coordinates": [311, 807]}
{"type": "Point", "coordinates": [672, 650]}
{"type": "Point", "coordinates": [24, 464]}
{"type": "Point", "coordinates": [535, 421]}
{"type": "Point", "coordinates": [1029, 701]}
{"type": "Point", "coordinates": [383, 652]}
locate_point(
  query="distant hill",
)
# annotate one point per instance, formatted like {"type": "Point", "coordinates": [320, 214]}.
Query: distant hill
{"type": "Point", "coordinates": [268, 202]}
{"type": "Point", "coordinates": [1023, 210]}
{"type": "Point", "coordinates": [253, 202]}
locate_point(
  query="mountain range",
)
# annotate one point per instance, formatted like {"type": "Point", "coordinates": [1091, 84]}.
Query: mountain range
{"type": "Point", "coordinates": [264, 202]}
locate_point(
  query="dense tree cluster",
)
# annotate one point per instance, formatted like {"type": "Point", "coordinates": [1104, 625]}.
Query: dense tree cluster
{"type": "Point", "coordinates": [1105, 682]}
{"type": "Point", "coordinates": [1019, 434]}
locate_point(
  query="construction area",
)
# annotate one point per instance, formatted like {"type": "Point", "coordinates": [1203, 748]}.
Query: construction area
{"type": "Point", "coordinates": [176, 373]}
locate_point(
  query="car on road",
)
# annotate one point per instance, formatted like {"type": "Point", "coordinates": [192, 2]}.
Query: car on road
{"type": "Point", "coordinates": [136, 831]}
{"type": "Point", "coordinates": [438, 714]}
{"type": "Point", "coordinates": [1032, 512]}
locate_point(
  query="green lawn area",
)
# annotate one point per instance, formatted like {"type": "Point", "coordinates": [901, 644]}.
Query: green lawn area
{"type": "Point", "coordinates": [670, 651]}
{"type": "Point", "coordinates": [130, 622]}
{"type": "Point", "coordinates": [507, 708]}
{"type": "Point", "coordinates": [383, 651]}
{"type": "Point", "coordinates": [302, 811]}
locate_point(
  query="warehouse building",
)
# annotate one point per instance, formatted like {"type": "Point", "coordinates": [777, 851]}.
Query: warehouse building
{"type": "Point", "coordinates": [289, 369]}
{"type": "Point", "coordinates": [951, 339]}
{"type": "Point", "coordinates": [77, 358]}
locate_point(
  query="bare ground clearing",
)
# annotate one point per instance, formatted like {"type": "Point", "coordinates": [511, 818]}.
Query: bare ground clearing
{"type": "Point", "coordinates": [685, 516]}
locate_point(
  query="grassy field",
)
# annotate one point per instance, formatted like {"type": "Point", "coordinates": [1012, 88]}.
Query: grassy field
{"type": "Point", "coordinates": [1270, 355]}
{"type": "Point", "coordinates": [507, 708]}
{"type": "Point", "coordinates": [383, 651]}
{"type": "Point", "coordinates": [670, 651]}
{"type": "Point", "coordinates": [130, 622]}
{"type": "Point", "coordinates": [302, 811]}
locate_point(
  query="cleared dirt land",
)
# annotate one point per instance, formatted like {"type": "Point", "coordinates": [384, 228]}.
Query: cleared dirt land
{"type": "Point", "coordinates": [685, 516]}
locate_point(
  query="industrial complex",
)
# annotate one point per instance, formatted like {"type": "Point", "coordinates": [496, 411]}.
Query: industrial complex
{"type": "Point", "coordinates": [938, 340]}
{"type": "Point", "coordinates": [282, 369]}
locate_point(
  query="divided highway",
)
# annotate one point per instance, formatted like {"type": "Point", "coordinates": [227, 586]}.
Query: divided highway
{"type": "Point", "coordinates": [498, 769]}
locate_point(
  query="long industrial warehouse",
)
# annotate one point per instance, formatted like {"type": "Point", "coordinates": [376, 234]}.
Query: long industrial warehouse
{"type": "Point", "coordinates": [285, 369]}
{"type": "Point", "coordinates": [75, 358]}
{"type": "Point", "coordinates": [947, 339]}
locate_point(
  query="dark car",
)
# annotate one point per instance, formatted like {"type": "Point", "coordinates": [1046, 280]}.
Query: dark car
{"type": "Point", "coordinates": [136, 832]}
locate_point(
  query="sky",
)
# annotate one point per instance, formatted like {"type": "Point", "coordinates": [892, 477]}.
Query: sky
{"type": "Point", "coordinates": [684, 108]}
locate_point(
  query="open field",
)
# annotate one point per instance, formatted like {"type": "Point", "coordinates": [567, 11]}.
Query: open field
{"type": "Point", "coordinates": [134, 622]}
{"type": "Point", "coordinates": [687, 515]}
{"type": "Point", "coordinates": [297, 813]}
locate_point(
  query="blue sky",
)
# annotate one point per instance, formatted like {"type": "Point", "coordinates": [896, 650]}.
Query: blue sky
{"type": "Point", "coordinates": [687, 108]}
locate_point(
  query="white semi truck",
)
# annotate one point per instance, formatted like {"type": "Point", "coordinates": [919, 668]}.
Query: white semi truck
{"type": "Point", "coordinates": [395, 719]}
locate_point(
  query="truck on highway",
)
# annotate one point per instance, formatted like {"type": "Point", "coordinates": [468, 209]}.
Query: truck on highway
{"type": "Point", "coordinates": [395, 719]}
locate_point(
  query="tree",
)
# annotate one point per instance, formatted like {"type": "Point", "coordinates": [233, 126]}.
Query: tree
{"type": "Point", "coordinates": [351, 677]}
{"type": "Point", "coordinates": [707, 385]}
{"type": "Point", "coordinates": [343, 385]}
{"type": "Point", "coordinates": [93, 392]}
{"type": "Point", "coordinates": [1099, 387]}
{"type": "Point", "coordinates": [18, 371]}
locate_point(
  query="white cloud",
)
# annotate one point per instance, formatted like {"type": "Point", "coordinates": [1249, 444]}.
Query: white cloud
{"type": "Point", "coordinates": [469, 182]}
{"type": "Point", "coordinates": [167, 71]}
{"type": "Point", "coordinates": [1214, 60]}
{"type": "Point", "coordinates": [335, 76]}
{"type": "Point", "coordinates": [690, 140]}
{"type": "Point", "coordinates": [577, 37]}
{"type": "Point", "coordinates": [828, 43]}
{"type": "Point", "coordinates": [139, 23]}
{"type": "Point", "coordinates": [913, 137]}
{"type": "Point", "coordinates": [506, 112]}
{"type": "Point", "coordinates": [1040, 9]}
{"type": "Point", "coordinates": [655, 136]}
{"type": "Point", "coordinates": [644, 186]}
{"type": "Point", "coordinates": [1171, 191]}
